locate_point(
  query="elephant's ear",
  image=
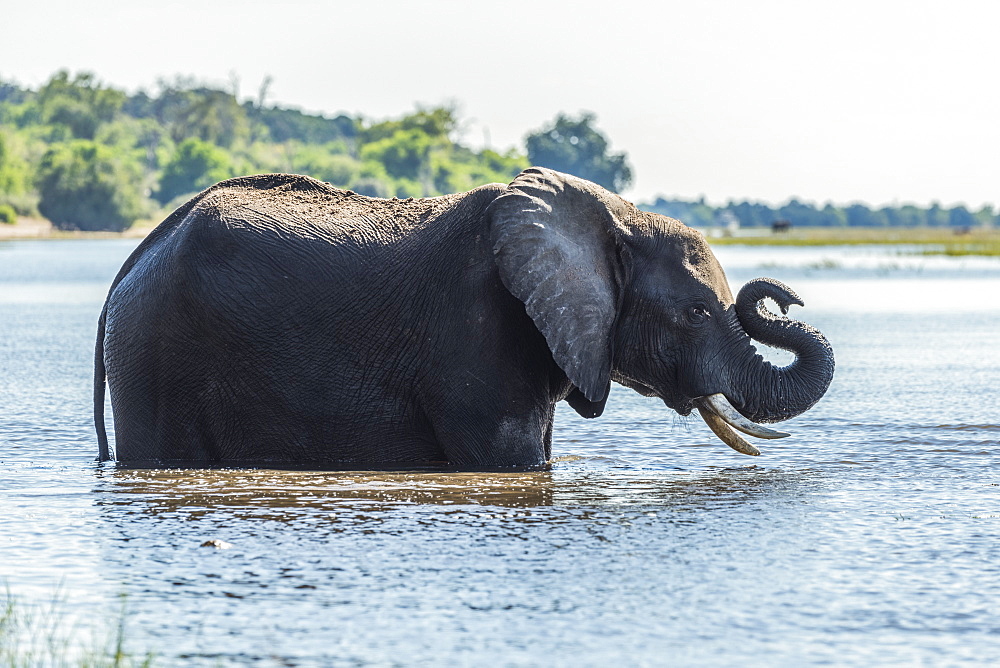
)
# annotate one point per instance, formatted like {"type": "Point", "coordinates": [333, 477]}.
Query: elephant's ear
{"type": "Point", "coordinates": [554, 240]}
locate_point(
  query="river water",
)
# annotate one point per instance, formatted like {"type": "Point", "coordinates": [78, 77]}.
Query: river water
{"type": "Point", "coordinates": [871, 536]}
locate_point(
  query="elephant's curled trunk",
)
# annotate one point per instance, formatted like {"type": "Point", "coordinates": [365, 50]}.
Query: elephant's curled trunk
{"type": "Point", "coordinates": [775, 393]}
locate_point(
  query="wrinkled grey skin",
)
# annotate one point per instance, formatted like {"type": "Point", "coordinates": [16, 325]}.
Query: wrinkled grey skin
{"type": "Point", "coordinates": [276, 320]}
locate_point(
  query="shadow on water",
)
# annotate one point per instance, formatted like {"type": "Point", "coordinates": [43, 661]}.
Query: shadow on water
{"type": "Point", "coordinates": [272, 493]}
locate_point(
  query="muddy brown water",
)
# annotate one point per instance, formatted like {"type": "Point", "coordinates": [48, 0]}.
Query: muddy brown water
{"type": "Point", "coordinates": [871, 536]}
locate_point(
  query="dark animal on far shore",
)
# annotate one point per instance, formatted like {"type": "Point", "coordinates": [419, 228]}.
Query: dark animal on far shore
{"type": "Point", "coordinates": [780, 226]}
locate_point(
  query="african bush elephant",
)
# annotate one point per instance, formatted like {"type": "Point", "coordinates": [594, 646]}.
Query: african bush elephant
{"type": "Point", "coordinates": [275, 320]}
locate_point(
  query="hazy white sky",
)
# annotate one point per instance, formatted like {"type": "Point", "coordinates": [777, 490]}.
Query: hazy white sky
{"type": "Point", "coordinates": [878, 101]}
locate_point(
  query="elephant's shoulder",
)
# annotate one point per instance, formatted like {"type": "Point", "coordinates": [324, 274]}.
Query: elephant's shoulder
{"type": "Point", "coordinates": [277, 183]}
{"type": "Point", "coordinates": [265, 189]}
{"type": "Point", "coordinates": [265, 201]}
{"type": "Point", "coordinates": [471, 203]}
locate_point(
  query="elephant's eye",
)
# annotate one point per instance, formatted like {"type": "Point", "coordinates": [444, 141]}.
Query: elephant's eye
{"type": "Point", "coordinates": [697, 314]}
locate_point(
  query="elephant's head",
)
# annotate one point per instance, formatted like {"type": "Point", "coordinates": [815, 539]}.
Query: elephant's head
{"type": "Point", "coordinates": [638, 298]}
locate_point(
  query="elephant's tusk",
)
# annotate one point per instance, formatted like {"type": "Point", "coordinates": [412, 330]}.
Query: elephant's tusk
{"type": "Point", "coordinates": [718, 404]}
{"type": "Point", "coordinates": [728, 436]}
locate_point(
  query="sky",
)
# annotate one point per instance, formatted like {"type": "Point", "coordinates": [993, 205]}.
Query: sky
{"type": "Point", "coordinates": [874, 101]}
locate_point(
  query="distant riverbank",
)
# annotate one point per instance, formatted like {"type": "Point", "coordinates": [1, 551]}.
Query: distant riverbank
{"type": "Point", "coordinates": [932, 240]}
{"type": "Point", "coordinates": [39, 228]}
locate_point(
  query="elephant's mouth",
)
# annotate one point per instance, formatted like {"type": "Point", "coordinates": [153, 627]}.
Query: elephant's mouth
{"type": "Point", "coordinates": [717, 412]}
{"type": "Point", "coordinates": [722, 418]}
{"type": "Point", "coordinates": [681, 406]}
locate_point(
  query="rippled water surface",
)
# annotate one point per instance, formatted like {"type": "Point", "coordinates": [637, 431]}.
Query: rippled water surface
{"type": "Point", "coordinates": [871, 536]}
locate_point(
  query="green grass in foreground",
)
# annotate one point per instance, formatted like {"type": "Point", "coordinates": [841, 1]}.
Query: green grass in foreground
{"type": "Point", "coordinates": [933, 241]}
{"type": "Point", "coordinates": [37, 635]}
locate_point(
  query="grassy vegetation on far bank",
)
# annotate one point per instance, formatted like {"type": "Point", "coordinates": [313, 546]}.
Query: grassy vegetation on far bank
{"type": "Point", "coordinates": [932, 241]}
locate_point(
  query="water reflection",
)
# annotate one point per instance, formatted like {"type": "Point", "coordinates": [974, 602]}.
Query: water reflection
{"type": "Point", "coordinates": [278, 493]}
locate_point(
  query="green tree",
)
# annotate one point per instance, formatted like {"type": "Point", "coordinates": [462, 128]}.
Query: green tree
{"type": "Point", "coordinates": [11, 93]}
{"type": "Point", "coordinates": [986, 216]}
{"type": "Point", "coordinates": [84, 185]}
{"type": "Point", "coordinates": [420, 156]}
{"type": "Point", "coordinates": [799, 214]}
{"type": "Point", "coordinates": [143, 136]}
{"type": "Point", "coordinates": [17, 173]}
{"type": "Point", "coordinates": [936, 216]}
{"type": "Point", "coordinates": [960, 217]}
{"type": "Point", "coordinates": [406, 154]}
{"type": "Point", "coordinates": [373, 180]}
{"type": "Point", "coordinates": [285, 124]}
{"type": "Point", "coordinates": [326, 162]}
{"type": "Point", "coordinates": [14, 172]}
{"type": "Point", "coordinates": [187, 110]}
{"type": "Point", "coordinates": [80, 104]}
{"type": "Point", "coordinates": [195, 165]}
{"type": "Point", "coordinates": [752, 214]}
{"type": "Point", "coordinates": [834, 216]}
{"type": "Point", "coordinates": [575, 146]}
{"type": "Point", "coordinates": [215, 117]}
{"type": "Point", "coordinates": [859, 215]}
{"type": "Point", "coordinates": [460, 168]}
{"type": "Point", "coordinates": [436, 123]}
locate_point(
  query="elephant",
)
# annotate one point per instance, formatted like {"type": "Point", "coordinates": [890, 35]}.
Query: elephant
{"type": "Point", "coordinates": [278, 321]}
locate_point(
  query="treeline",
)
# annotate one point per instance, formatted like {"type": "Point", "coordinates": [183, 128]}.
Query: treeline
{"type": "Point", "coordinates": [88, 156]}
{"type": "Point", "coordinates": [800, 214]}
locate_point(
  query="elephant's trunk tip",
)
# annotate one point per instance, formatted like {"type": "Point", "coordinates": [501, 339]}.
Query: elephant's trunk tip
{"type": "Point", "coordinates": [773, 394]}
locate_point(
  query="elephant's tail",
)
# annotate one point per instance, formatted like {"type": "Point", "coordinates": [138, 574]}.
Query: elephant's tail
{"type": "Point", "coordinates": [100, 376]}
{"type": "Point", "coordinates": [100, 373]}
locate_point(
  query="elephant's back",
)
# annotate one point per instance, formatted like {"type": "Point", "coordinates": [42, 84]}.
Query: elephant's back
{"type": "Point", "coordinates": [292, 239]}
{"type": "Point", "coordinates": [292, 207]}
